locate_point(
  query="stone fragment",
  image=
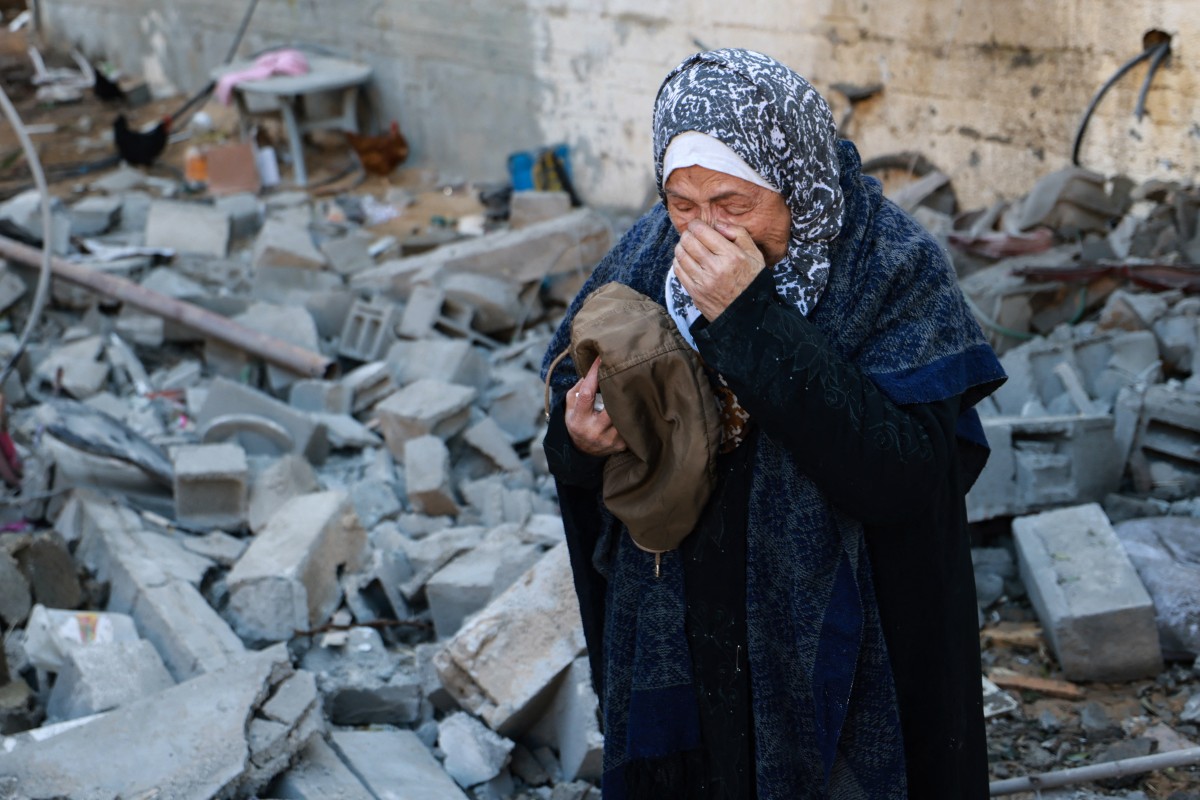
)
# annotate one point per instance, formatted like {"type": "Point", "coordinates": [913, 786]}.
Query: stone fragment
{"type": "Point", "coordinates": [79, 368]}
{"type": "Point", "coordinates": [327, 397]}
{"type": "Point", "coordinates": [216, 546]}
{"type": "Point", "coordinates": [454, 360]}
{"type": "Point", "coordinates": [427, 475]}
{"type": "Point", "coordinates": [515, 402]}
{"type": "Point", "coordinates": [12, 289]}
{"type": "Point", "coordinates": [427, 406]}
{"type": "Point", "coordinates": [1043, 462]}
{"type": "Point", "coordinates": [227, 402]}
{"type": "Point", "coordinates": [287, 477]}
{"type": "Point", "coordinates": [94, 215]}
{"type": "Point", "coordinates": [318, 774]}
{"type": "Point", "coordinates": [571, 725]}
{"type": "Point", "coordinates": [349, 254]}
{"type": "Point", "coordinates": [362, 683]}
{"type": "Point", "coordinates": [394, 764]}
{"type": "Point", "coordinates": [1163, 460]}
{"type": "Point", "coordinates": [474, 753]}
{"type": "Point", "coordinates": [211, 486]}
{"type": "Point", "coordinates": [102, 677]}
{"type": "Point", "coordinates": [244, 211]}
{"type": "Point", "coordinates": [502, 663]}
{"type": "Point", "coordinates": [280, 244]}
{"type": "Point", "coordinates": [1099, 628]}
{"type": "Point", "coordinates": [489, 438]}
{"type": "Point", "coordinates": [422, 310]}
{"type": "Point", "coordinates": [429, 554]}
{"type": "Point", "coordinates": [288, 578]}
{"type": "Point", "coordinates": [368, 384]}
{"type": "Point", "coordinates": [16, 599]}
{"type": "Point", "coordinates": [473, 579]}
{"type": "Point", "coordinates": [286, 323]}
{"type": "Point", "coordinates": [495, 303]}
{"type": "Point", "coordinates": [1166, 553]}
{"type": "Point", "coordinates": [188, 228]}
{"type": "Point", "coordinates": [189, 635]}
{"type": "Point", "coordinates": [148, 752]}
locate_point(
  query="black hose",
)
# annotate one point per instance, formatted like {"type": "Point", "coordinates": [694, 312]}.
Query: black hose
{"type": "Point", "coordinates": [1163, 50]}
{"type": "Point", "coordinates": [1128, 65]}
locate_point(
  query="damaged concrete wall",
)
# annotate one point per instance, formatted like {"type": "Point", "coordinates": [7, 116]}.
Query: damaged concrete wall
{"type": "Point", "coordinates": [993, 93]}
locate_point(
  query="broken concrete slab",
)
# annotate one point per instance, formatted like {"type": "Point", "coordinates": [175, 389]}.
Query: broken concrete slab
{"type": "Point", "coordinates": [424, 407]}
{"type": "Point", "coordinates": [1163, 460]}
{"type": "Point", "coordinates": [453, 360]}
{"type": "Point", "coordinates": [105, 676]}
{"type": "Point", "coordinates": [288, 578]}
{"type": "Point", "coordinates": [573, 242]}
{"type": "Point", "coordinates": [1044, 462]}
{"type": "Point", "coordinates": [245, 213]}
{"type": "Point", "coordinates": [188, 633]}
{"type": "Point", "coordinates": [571, 725]}
{"type": "Point", "coordinates": [474, 754]}
{"type": "Point", "coordinates": [470, 581]}
{"type": "Point", "coordinates": [1166, 553]}
{"type": "Point", "coordinates": [286, 477]}
{"type": "Point", "coordinates": [281, 244]}
{"type": "Point", "coordinates": [94, 215]}
{"type": "Point", "coordinates": [228, 401]}
{"type": "Point", "coordinates": [427, 476]}
{"type": "Point", "coordinates": [326, 397]}
{"type": "Point", "coordinates": [219, 752]}
{"type": "Point", "coordinates": [78, 368]}
{"type": "Point", "coordinates": [188, 228]}
{"type": "Point", "coordinates": [394, 764]}
{"type": "Point", "coordinates": [1099, 629]}
{"type": "Point", "coordinates": [288, 324]}
{"type": "Point", "coordinates": [492, 441]}
{"type": "Point", "coordinates": [45, 561]}
{"type": "Point", "coordinates": [363, 683]}
{"type": "Point", "coordinates": [430, 553]}
{"type": "Point", "coordinates": [501, 664]}
{"type": "Point", "coordinates": [318, 774]}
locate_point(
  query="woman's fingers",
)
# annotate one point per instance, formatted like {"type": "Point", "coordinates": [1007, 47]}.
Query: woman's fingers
{"type": "Point", "coordinates": [592, 431]}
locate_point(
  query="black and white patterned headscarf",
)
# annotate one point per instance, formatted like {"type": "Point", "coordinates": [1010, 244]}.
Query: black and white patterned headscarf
{"type": "Point", "coordinates": [783, 129]}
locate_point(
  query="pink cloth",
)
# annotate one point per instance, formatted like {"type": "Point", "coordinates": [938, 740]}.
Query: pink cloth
{"type": "Point", "coordinates": [277, 62]}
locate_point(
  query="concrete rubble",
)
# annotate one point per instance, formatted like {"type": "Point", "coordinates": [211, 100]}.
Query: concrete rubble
{"type": "Point", "coordinates": [249, 582]}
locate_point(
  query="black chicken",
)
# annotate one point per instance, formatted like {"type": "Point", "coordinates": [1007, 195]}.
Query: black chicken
{"type": "Point", "coordinates": [106, 89]}
{"type": "Point", "coordinates": [136, 147]}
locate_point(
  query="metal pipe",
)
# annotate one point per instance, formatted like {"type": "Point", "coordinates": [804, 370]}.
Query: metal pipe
{"type": "Point", "coordinates": [1096, 772]}
{"type": "Point", "coordinates": [212, 325]}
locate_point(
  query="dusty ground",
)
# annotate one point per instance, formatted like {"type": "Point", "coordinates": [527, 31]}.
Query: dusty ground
{"type": "Point", "coordinates": [1110, 721]}
{"type": "Point", "coordinates": [1043, 734]}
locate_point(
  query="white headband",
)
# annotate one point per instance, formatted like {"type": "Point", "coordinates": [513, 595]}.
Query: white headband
{"type": "Point", "coordinates": [695, 149]}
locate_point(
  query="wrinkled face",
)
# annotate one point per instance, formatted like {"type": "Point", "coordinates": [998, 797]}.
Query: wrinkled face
{"type": "Point", "coordinates": [707, 195]}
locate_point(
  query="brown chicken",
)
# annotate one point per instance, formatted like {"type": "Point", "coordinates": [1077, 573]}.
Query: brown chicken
{"type": "Point", "coordinates": [380, 154]}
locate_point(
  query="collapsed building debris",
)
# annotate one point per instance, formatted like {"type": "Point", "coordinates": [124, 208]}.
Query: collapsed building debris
{"type": "Point", "coordinates": [248, 421]}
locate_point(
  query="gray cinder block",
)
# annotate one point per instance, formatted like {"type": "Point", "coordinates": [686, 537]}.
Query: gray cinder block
{"type": "Point", "coordinates": [1092, 604]}
{"type": "Point", "coordinates": [211, 485]}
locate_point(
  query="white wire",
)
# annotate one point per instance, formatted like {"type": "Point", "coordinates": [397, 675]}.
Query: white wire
{"type": "Point", "coordinates": [39, 179]}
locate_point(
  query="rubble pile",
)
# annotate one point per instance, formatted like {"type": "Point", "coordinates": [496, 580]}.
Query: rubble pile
{"type": "Point", "coordinates": [224, 577]}
{"type": "Point", "coordinates": [246, 581]}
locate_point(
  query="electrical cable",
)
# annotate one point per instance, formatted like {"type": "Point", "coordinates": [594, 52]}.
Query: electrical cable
{"type": "Point", "coordinates": [1162, 51]}
{"type": "Point", "coordinates": [1108, 84]}
{"type": "Point", "coordinates": [39, 178]}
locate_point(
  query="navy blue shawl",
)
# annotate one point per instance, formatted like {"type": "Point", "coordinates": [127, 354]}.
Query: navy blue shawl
{"type": "Point", "coordinates": [825, 715]}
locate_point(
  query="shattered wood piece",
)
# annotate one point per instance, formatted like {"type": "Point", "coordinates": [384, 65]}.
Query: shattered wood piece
{"type": "Point", "coordinates": [1050, 687]}
{"type": "Point", "coordinates": [1027, 636]}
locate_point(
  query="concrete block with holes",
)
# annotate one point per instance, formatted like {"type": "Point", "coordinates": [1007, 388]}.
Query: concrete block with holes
{"type": "Point", "coordinates": [370, 329]}
{"type": "Point", "coordinates": [211, 486]}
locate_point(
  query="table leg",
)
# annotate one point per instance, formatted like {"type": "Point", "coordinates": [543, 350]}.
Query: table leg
{"type": "Point", "coordinates": [295, 140]}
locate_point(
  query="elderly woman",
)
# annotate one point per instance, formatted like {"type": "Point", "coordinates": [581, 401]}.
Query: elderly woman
{"type": "Point", "coordinates": [815, 635]}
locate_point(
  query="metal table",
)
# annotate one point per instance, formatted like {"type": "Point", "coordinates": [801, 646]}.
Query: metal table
{"type": "Point", "coordinates": [286, 93]}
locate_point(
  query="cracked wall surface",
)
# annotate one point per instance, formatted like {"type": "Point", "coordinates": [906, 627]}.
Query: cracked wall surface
{"type": "Point", "coordinates": [992, 93]}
